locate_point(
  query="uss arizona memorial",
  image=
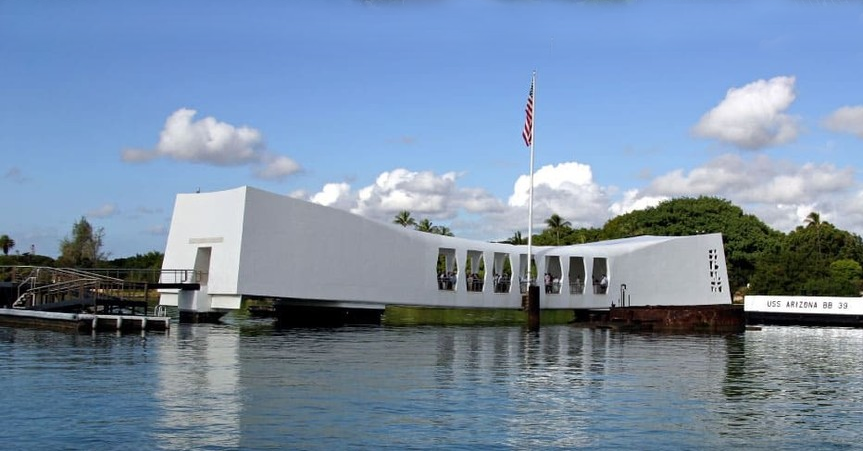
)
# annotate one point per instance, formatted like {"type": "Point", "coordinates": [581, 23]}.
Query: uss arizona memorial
{"type": "Point", "coordinates": [249, 243]}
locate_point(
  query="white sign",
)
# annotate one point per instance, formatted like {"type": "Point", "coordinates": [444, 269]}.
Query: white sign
{"type": "Point", "coordinates": [824, 305]}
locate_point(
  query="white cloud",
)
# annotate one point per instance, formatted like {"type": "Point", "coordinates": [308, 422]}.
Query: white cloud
{"type": "Point", "coordinates": [778, 216]}
{"type": "Point", "coordinates": [632, 201]}
{"type": "Point", "coordinates": [754, 116]}
{"type": "Point", "coordinates": [334, 195]}
{"type": "Point", "coordinates": [758, 180]}
{"type": "Point", "coordinates": [848, 119]}
{"type": "Point", "coordinates": [714, 177]}
{"type": "Point", "coordinates": [477, 200]}
{"type": "Point", "coordinates": [423, 193]}
{"type": "Point", "coordinates": [104, 211]}
{"type": "Point", "coordinates": [210, 141]}
{"type": "Point", "coordinates": [849, 212]}
{"type": "Point", "coordinates": [206, 140]}
{"type": "Point", "coordinates": [299, 194]}
{"type": "Point", "coordinates": [566, 189]}
{"type": "Point", "coordinates": [780, 193]}
{"type": "Point", "coordinates": [277, 168]}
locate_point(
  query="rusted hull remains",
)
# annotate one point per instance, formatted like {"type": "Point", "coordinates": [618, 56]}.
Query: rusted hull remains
{"type": "Point", "coordinates": [721, 318]}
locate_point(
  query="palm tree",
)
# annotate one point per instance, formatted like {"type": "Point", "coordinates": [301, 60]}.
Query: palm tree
{"type": "Point", "coordinates": [425, 226]}
{"type": "Point", "coordinates": [814, 220]}
{"type": "Point", "coordinates": [555, 223]}
{"type": "Point", "coordinates": [404, 219]}
{"type": "Point", "coordinates": [6, 243]}
{"type": "Point", "coordinates": [515, 239]}
{"type": "Point", "coordinates": [443, 230]}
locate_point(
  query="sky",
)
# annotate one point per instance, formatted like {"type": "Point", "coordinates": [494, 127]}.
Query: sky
{"type": "Point", "coordinates": [109, 109]}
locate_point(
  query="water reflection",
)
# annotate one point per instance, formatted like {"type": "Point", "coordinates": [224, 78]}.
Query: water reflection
{"type": "Point", "coordinates": [249, 385]}
{"type": "Point", "coordinates": [198, 388]}
{"type": "Point", "coordinates": [802, 381]}
{"type": "Point", "coordinates": [491, 386]}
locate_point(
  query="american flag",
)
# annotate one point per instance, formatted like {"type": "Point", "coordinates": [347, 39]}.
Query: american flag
{"type": "Point", "coordinates": [527, 134]}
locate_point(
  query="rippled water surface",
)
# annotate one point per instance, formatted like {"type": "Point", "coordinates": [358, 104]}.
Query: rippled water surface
{"type": "Point", "coordinates": [248, 385]}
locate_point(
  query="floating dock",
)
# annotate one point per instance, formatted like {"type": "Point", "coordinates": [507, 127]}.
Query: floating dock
{"type": "Point", "coordinates": [83, 322]}
{"type": "Point", "coordinates": [86, 300]}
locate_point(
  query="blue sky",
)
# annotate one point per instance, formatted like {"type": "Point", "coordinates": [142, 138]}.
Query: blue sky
{"type": "Point", "coordinates": [109, 109]}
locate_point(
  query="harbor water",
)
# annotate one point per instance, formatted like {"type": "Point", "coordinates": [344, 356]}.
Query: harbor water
{"type": "Point", "coordinates": [247, 384]}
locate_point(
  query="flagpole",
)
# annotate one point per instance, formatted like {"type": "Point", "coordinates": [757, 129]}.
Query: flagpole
{"type": "Point", "coordinates": [530, 199]}
{"type": "Point", "coordinates": [532, 291]}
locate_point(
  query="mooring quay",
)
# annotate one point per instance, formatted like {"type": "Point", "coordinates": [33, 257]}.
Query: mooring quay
{"type": "Point", "coordinates": [83, 322]}
{"type": "Point", "coordinates": [86, 300]}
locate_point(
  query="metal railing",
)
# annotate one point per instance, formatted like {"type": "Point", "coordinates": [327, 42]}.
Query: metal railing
{"type": "Point", "coordinates": [49, 274]}
{"type": "Point", "coordinates": [576, 287]}
{"type": "Point", "coordinates": [41, 285]}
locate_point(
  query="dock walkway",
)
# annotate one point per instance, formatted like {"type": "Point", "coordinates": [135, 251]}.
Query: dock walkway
{"type": "Point", "coordinates": [83, 322]}
{"type": "Point", "coordinates": [86, 299]}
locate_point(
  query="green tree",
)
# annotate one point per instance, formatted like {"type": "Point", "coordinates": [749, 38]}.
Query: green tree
{"type": "Point", "coordinates": [846, 276]}
{"type": "Point", "coordinates": [745, 237]}
{"type": "Point", "coordinates": [151, 263]}
{"type": "Point", "coordinates": [150, 260]}
{"type": "Point", "coordinates": [84, 248]}
{"type": "Point", "coordinates": [442, 230]}
{"type": "Point", "coordinates": [6, 243]}
{"type": "Point", "coordinates": [515, 239]}
{"type": "Point", "coordinates": [26, 259]}
{"type": "Point", "coordinates": [425, 226]}
{"type": "Point", "coordinates": [404, 219]}
{"type": "Point", "coordinates": [582, 235]}
{"type": "Point", "coordinates": [814, 220]}
{"type": "Point", "coordinates": [556, 225]}
{"type": "Point", "coordinates": [816, 260]}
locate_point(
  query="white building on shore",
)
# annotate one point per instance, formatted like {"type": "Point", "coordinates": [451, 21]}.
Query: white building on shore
{"type": "Point", "coordinates": [246, 242]}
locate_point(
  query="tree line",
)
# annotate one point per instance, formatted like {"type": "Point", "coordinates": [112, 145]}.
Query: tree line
{"type": "Point", "coordinates": [404, 219]}
{"type": "Point", "coordinates": [83, 248]}
{"type": "Point", "coordinates": [814, 259]}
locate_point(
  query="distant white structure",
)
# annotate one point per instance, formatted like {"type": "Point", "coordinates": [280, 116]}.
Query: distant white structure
{"type": "Point", "coordinates": [245, 242]}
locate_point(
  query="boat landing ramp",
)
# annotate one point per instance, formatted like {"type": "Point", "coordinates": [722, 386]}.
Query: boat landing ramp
{"type": "Point", "coordinates": [87, 299]}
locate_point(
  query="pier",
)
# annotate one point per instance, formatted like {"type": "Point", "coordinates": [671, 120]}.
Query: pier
{"type": "Point", "coordinates": [83, 322]}
{"type": "Point", "coordinates": [88, 299]}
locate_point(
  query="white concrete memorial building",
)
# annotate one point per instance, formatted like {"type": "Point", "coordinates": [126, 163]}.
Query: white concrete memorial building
{"type": "Point", "coordinates": [245, 242]}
